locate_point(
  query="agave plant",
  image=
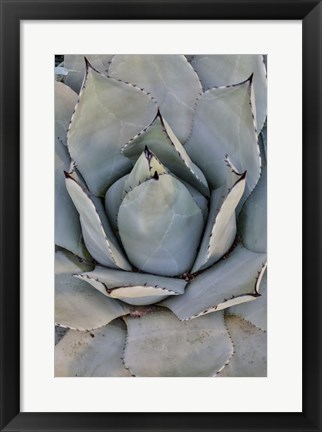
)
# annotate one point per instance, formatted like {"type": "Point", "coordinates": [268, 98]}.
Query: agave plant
{"type": "Point", "coordinates": [161, 216]}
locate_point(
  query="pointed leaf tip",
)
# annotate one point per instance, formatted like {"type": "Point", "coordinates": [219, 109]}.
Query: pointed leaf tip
{"type": "Point", "coordinates": [149, 155]}
{"type": "Point", "coordinates": [242, 177]}
{"type": "Point", "coordinates": [96, 136]}
{"type": "Point", "coordinates": [248, 80]}
{"type": "Point", "coordinates": [165, 146]}
{"type": "Point", "coordinates": [88, 65]}
{"type": "Point", "coordinates": [158, 75]}
{"type": "Point", "coordinates": [67, 175]}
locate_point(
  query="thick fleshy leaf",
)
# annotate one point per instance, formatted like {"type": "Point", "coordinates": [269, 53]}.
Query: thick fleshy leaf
{"type": "Point", "coordinates": [220, 231]}
{"type": "Point", "coordinates": [232, 174]}
{"type": "Point", "coordinates": [157, 221]}
{"type": "Point", "coordinates": [65, 101]}
{"type": "Point", "coordinates": [78, 305]}
{"type": "Point", "coordinates": [254, 312]}
{"type": "Point", "coordinates": [161, 140]}
{"type": "Point", "coordinates": [112, 279]}
{"type": "Point", "coordinates": [113, 199]}
{"type": "Point", "coordinates": [223, 70]}
{"type": "Point", "coordinates": [158, 344]}
{"type": "Point", "coordinates": [170, 79]}
{"type": "Point", "coordinates": [76, 65]}
{"type": "Point", "coordinates": [108, 114]}
{"type": "Point", "coordinates": [231, 281]}
{"type": "Point", "coordinates": [252, 221]}
{"type": "Point", "coordinates": [98, 235]}
{"type": "Point", "coordinates": [199, 199]}
{"type": "Point", "coordinates": [95, 354]}
{"type": "Point", "coordinates": [224, 125]}
{"type": "Point", "coordinates": [147, 167]}
{"type": "Point", "coordinates": [250, 350]}
{"type": "Point", "coordinates": [115, 194]}
{"type": "Point", "coordinates": [67, 227]}
{"type": "Point", "coordinates": [133, 288]}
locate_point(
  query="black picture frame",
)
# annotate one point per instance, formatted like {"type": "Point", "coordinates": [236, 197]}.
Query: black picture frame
{"type": "Point", "coordinates": [310, 12]}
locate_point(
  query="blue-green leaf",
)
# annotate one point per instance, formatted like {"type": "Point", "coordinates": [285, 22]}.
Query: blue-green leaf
{"type": "Point", "coordinates": [65, 101]}
{"type": "Point", "coordinates": [157, 221]}
{"type": "Point", "coordinates": [147, 167]}
{"type": "Point", "coordinates": [171, 81]}
{"type": "Point", "coordinates": [67, 227]}
{"type": "Point", "coordinates": [158, 344]}
{"type": "Point", "coordinates": [220, 230]}
{"type": "Point", "coordinates": [201, 201]}
{"type": "Point", "coordinates": [223, 70]}
{"type": "Point", "coordinates": [250, 350]}
{"type": "Point", "coordinates": [223, 126]}
{"type": "Point", "coordinates": [76, 65]}
{"type": "Point", "coordinates": [92, 354]}
{"type": "Point", "coordinates": [231, 281]}
{"type": "Point", "coordinates": [252, 222]}
{"type": "Point", "coordinates": [98, 235]}
{"type": "Point", "coordinates": [108, 114]}
{"type": "Point", "coordinates": [254, 312]}
{"type": "Point", "coordinates": [161, 140]}
{"type": "Point", "coordinates": [113, 199]}
{"type": "Point", "coordinates": [77, 304]}
{"type": "Point", "coordinates": [133, 288]}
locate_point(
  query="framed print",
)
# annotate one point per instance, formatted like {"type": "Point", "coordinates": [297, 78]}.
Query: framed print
{"type": "Point", "coordinates": [186, 157]}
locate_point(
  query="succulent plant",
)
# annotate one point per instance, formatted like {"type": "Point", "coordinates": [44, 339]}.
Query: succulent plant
{"type": "Point", "coordinates": [160, 224]}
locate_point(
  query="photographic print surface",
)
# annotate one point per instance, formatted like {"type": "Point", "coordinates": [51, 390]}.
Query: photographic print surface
{"type": "Point", "coordinates": [160, 215]}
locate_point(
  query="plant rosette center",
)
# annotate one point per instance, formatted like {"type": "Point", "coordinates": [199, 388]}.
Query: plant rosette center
{"type": "Point", "coordinates": [160, 214]}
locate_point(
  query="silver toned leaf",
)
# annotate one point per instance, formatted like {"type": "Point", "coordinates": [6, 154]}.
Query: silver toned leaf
{"type": "Point", "coordinates": [133, 288]}
{"type": "Point", "coordinates": [163, 143]}
{"type": "Point", "coordinates": [67, 227]}
{"type": "Point", "coordinates": [223, 70]}
{"type": "Point", "coordinates": [250, 350]}
{"type": "Point", "coordinates": [157, 220]}
{"type": "Point", "coordinates": [223, 125]}
{"type": "Point", "coordinates": [252, 221]}
{"type": "Point", "coordinates": [171, 81]}
{"type": "Point", "coordinates": [65, 101]}
{"type": "Point", "coordinates": [113, 199]}
{"type": "Point", "coordinates": [92, 354]}
{"type": "Point", "coordinates": [98, 235]}
{"type": "Point", "coordinates": [231, 281]}
{"type": "Point", "coordinates": [254, 312]}
{"type": "Point", "coordinates": [108, 114]}
{"type": "Point", "coordinates": [146, 167]}
{"type": "Point", "coordinates": [77, 305]}
{"type": "Point", "coordinates": [77, 65]}
{"type": "Point", "coordinates": [220, 230]}
{"type": "Point", "coordinates": [158, 344]}
{"type": "Point", "coordinates": [199, 199]}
